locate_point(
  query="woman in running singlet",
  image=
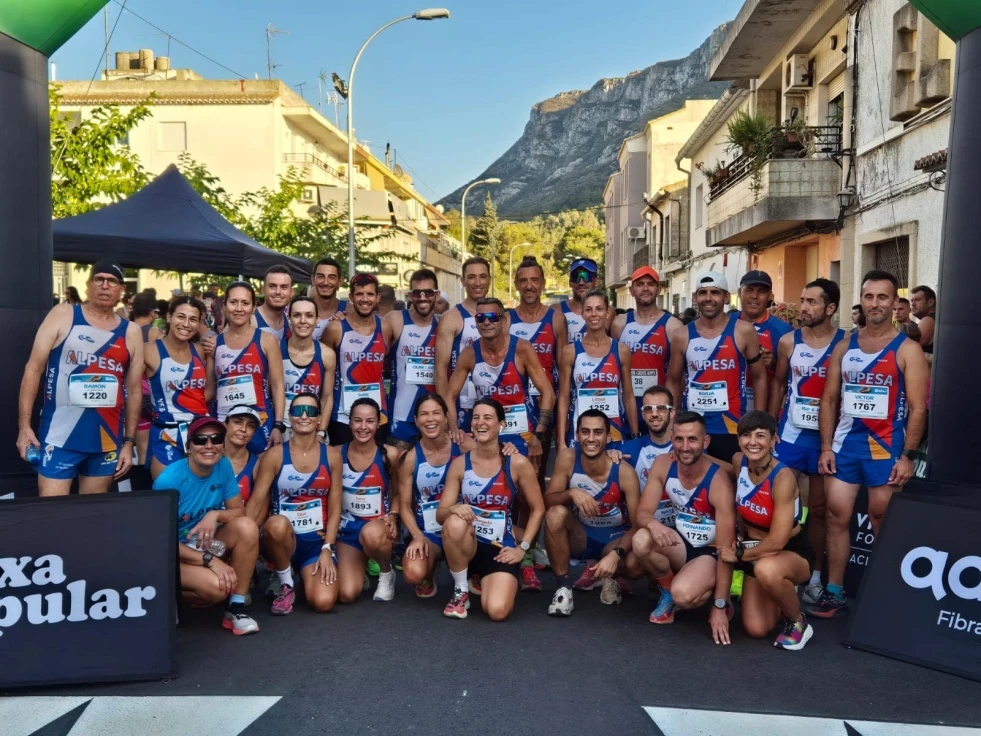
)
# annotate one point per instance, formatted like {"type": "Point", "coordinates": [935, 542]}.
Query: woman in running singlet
{"type": "Point", "coordinates": [241, 424]}
{"type": "Point", "coordinates": [181, 378]}
{"type": "Point", "coordinates": [369, 507]}
{"type": "Point", "coordinates": [773, 549]}
{"type": "Point", "coordinates": [475, 514]}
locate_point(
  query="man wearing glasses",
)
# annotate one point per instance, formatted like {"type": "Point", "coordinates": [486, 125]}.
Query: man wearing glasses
{"type": "Point", "coordinates": [583, 278]}
{"type": "Point", "coordinates": [210, 510]}
{"type": "Point", "coordinates": [92, 361]}
{"type": "Point", "coordinates": [414, 356]}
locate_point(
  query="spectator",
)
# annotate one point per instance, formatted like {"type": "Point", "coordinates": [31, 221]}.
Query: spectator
{"type": "Point", "coordinates": [689, 315]}
{"type": "Point", "coordinates": [386, 299]}
{"type": "Point", "coordinates": [858, 317]}
{"type": "Point", "coordinates": [398, 306]}
{"type": "Point", "coordinates": [71, 296]}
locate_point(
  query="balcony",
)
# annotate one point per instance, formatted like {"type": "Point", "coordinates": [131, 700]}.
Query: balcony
{"type": "Point", "coordinates": [642, 257]}
{"type": "Point", "coordinates": [797, 184]}
{"type": "Point", "coordinates": [308, 159]}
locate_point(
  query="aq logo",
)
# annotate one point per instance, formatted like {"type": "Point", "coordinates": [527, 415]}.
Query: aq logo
{"type": "Point", "coordinates": [959, 581]}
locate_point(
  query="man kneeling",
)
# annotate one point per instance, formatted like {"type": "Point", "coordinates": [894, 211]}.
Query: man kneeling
{"type": "Point", "coordinates": [590, 503]}
{"type": "Point", "coordinates": [212, 526]}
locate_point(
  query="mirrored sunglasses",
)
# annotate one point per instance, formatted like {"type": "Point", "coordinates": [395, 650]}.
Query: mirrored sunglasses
{"type": "Point", "coordinates": [305, 410]}
{"type": "Point", "coordinates": [488, 317]}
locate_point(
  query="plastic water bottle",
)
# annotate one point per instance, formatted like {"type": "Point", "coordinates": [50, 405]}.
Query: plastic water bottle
{"type": "Point", "coordinates": [33, 455]}
{"type": "Point", "coordinates": [217, 547]}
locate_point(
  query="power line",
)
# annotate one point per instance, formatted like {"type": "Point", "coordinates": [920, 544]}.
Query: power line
{"type": "Point", "coordinates": [171, 37]}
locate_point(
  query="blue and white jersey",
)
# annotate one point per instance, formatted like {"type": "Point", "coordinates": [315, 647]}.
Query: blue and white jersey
{"type": "Point", "coordinates": [302, 497]}
{"type": "Point", "coordinates": [468, 335]}
{"type": "Point", "coordinates": [576, 323]}
{"type": "Point", "coordinates": [610, 500]}
{"type": "Point", "coordinates": [177, 389]}
{"type": "Point", "coordinates": [413, 368]}
{"type": "Point", "coordinates": [642, 453]}
{"type": "Point", "coordinates": [806, 377]}
{"type": "Point", "coordinates": [283, 332]}
{"type": "Point", "coordinates": [428, 482]}
{"type": "Point", "coordinates": [324, 321]}
{"type": "Point", "coordinates": [505, 384]}
{"type": "Point", "coordinates": [491, 500]}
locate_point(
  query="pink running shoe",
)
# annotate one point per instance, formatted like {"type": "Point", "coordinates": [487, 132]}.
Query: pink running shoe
{"type": "Point", "coordinates": [586, 581]}
{"type": "Point", "coordinates": [283, 605]}
{"type": "Point", "coordinates": [426, 589]}
{"type": "Point", "coordinates": [625, 586]}
{"type": "Point", "coordinates": [529, 580]}
{"type": "Point", "coordinates": [458, 605]}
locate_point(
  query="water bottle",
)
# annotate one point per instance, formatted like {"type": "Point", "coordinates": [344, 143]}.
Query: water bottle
{"type": "Point", "coordinates": [217, 547]}
{"type": "Point", "coordinates": [33, 455]}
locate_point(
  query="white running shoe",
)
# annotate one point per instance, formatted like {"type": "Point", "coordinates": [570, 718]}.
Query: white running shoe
{"type": "Point", "coordinates": [610, 594]}
{"type": "Point", "coordinates": [561, 604]}
{"type": "Point", "coordinates": [386, 586]}
{"type": "Point", "coordinates": [812, 593]}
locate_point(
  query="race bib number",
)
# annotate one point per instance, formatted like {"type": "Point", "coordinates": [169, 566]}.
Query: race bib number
{"type": "Point", "coordinates": [429, 523]}
{"type": "Point", "coordinates": [93, 391]}
{"type": "Point", "coordinates": [304, 516]}
{"type": "Point", "coordinates": [489, 525]}
{"type": "Point", "coordinates": [804, 413]}
{"type": "Point", "coordinates": [643, 380]}
{"type": "Point", "coordinates": [365, 503]}
{"type": "Point", "coordinates": [609, 516]}
{"type": "Point", "coordinates": [420, 371]}
{"type": "Point", "coordinates": [698, 530]}
{"type": "Point", "coordinates": [516, 418]}
{"type": "Point", "coordinates": [665, 512]}
{"type": "Point", "coordinates": [234, 390]}
{"type": "Point", "coordinates": [703, 397]}
{"type": "Point", "coordinates": [607, 400]}
{"type": "Point", "coordinates": [354, 392]}
{"type": "Point", "coordinates": [866, 402]}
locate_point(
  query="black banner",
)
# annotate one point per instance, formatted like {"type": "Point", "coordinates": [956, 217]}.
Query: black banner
{"type": "Point", "coordinates": [87, 588]}
{"type": "Point", "coordinates": [921, 596]}
{"type": "Point", "coordinates": [860, 543]}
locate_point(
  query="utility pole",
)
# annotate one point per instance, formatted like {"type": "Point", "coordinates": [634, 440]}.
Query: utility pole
{"type": "Point", "coordinates": [271, 31]}
{"type": "Point", "coordinates": [105, 18]}
{"type": "Point", "coordinates": [300, 86]}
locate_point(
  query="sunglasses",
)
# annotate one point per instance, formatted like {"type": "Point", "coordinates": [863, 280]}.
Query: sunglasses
{"type": "Point", "coordinates": [305, 410]}
{"type": "Point", "coordinates": [491, 317]}
{"type": "Point", "coordinates": [659, 408]}
{"type": "Point", "coordinates": [427, 293]}
{"type": "Point", "coordinates": [582, 276]}
{"type": "Point", "coordinates": [200, 440]}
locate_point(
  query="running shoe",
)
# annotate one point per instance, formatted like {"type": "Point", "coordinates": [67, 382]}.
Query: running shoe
{"type": "Point", "coordinates": [273, 588]}
{"type": "Point", "coordinates": [386, 586]}
{"type": "Point", "coordinates": [426, 589]}
{"type": "Point", "coordinates": [610, 595]}
{"type": "Point", "coordinates": [373, 569]}
{"type": "Point", "coordinates": [812, 593]}
{"type": "Point", "coordinates": [459, 604]}
{"type": "Point", "coordinates": [625, 586]}
{"type": "Point", "coordinates": [586, 581]}
{"type": "Point", "coordinates": [283, 605]}
{"type": "Point", "coordinates": [828, 606]}
{"type": "Point", "coordinates": [795, 634]}
{"type": "Point", "coordinates": [663, 613]}
{"type": "Point", "coordinates": [474, 584]}
{"type": "Point", "coordinates": [529, 580]}
{"type": "Point", "coordinates": [238, 621]}
{"type": "Point", "coordinates": [561, 604]}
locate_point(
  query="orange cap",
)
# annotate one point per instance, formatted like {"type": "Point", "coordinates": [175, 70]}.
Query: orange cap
{"type": "Point", "coordinates": [646, 271]}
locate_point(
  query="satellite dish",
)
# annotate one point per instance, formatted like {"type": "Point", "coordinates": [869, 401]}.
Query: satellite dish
{"type": "Point", "coordinates": [399, 171]}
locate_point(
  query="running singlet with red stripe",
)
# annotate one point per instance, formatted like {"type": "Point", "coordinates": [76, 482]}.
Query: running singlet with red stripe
{"type": "Point", "coordinates": [301, 379]}
{"type": "Point", "coordinates": [491, 500]}
{"type": "Point", "coordinates": [243, 376]}
{"type": "Point", "coordinates": [84, 388]}
{"type": "Point", "coordinates": [612, 518]}
{"type": "Point", "coordinates": [427, 488]}
{"type": "Point", "coordinates": [716, 379]}
{"type": "Point", "coordinates": [872, 424]}
{"type": "Point", "coordinates": [541, 335]}
{"type": "Point", "coordinates": [650, 352]}
{"type": "Point", "coordinates": [413, 373]}
{"type": "Point", "coordinates": [769, 329]}
{"type": "Point", "coordinates": [754, 503]}
{"type": "Point", "coordinates": [693, 509]}
{"type": "Point", "coordinates": [244, 478]}
{"type": "Point", "coordinates": [178, 388]}
{"type": "Point", "coordinates": [360, 368]}
{"type": "Point", "coordinates": [505, 384]}
{"type": "Point", "coordinates": [596, 385]}
{"type": "Point", "coordinates": [468, 334]}
{"type": "Point", "coordinates": [365, 492]}
{"type": "Point", "coordinates": [575, 323]}
{"type": "Point", "coordinates": [807, 374]}
{"type": "Point", "coordinates": [302, 497]}
{"type": "Point", "coordinates": [280, 334]}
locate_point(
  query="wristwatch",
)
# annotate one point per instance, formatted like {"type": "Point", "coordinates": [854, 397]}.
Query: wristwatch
{"type": "Point", "coordinates": [131, 440]}
{"type": "Point", "coordinates": [739, 551]}
{"type": "Point", "coordinates": [280, 425]}
{"type": "Point", "coordinates": [540, 436]}
{"type": "Point", "coordinates": [524, 545]}
{"type": "Point", "coordinates": [329, 547]}
{"type": "Point", "coordinates": [621, 552]}
{"type": "Point", "coordinates": [720, 603]}
{"type": "Point", "coordinates": [322, 434]}
{"type": "Point", "coordinates": [206, 559]}
{"type": "Point", "coordinates": [909, 454]}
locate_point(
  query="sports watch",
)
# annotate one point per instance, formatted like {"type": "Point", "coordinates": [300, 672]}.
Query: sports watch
{"type": "Point", "coordinates": [720, 603]}
{"type": "Point", "coordinates": [206, 559]}
{"type": "Point", "coordinates": [280, 425]}
{"type": "Point", "coordinates": [524, 545]}
{"type": "Point", "coordinates": [621, 552]}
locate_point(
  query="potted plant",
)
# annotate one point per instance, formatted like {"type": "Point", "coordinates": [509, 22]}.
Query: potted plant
{"type": "Point", "coordinates": [751, 136]}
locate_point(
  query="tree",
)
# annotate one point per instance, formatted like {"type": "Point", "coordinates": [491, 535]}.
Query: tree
{"type": "Point", "coordinates": [581, 242]}
{"type": "Point", "coordinates": [90, 166]}
{"type": "Point", "coordinates": [480, 235]}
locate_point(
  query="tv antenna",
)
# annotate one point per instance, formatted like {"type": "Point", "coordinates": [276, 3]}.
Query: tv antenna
{"type": "Point", "coordinates": [271, 31]}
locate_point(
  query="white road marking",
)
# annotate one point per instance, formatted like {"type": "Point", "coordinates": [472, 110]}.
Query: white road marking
{"type": "Point", "coordinates": [27, 715]}
{"type": "Point", "coordinates": [685, 722]}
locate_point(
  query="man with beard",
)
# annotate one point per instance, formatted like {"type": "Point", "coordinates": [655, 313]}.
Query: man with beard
{"type": "Point", "coordinates": [413, 356]}
{"type": "Point", "coordinates": [590, 504]}
{"type": "Point", "coordinates": [709, 362]}
{"type": "Point", "coordinates": [457, 330]}
{"type": "Point", "coordinates": [646, 331]}
{"type": "Point", "coordinates": [583, 278]}
{"type": "Point", "coordinates": [277, 290]}
{"type": "Point", "coordinates": [361, 341]}
{"type": "Point", "coordinates": [657, 412]}
{"type": "Point", "coordinates": [795, 397]}
{"type": "Point", "coordinates": [872, 417]}
{"type": "Point", "coordinates": [901, 314]}
{"type": "Point", "coordinates": [680, 556]}
{"type": "Point", "coordinates": [755, 294]}
{"type": "Point", "coordinates": [923, 302]}
{"type": "Point", "coordinates": [326, 281]}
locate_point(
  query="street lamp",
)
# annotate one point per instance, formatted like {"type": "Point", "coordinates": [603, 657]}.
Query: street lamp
{"type": "Point", "coordinates": [510, 267]}
{"type": "Point", "coordinates": [463, 211]}
{"type": "Point", "coordinates": [348, 93]}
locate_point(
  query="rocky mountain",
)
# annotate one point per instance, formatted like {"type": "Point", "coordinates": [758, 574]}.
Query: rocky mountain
{"type": "Point", "coordinates": [570, 144]}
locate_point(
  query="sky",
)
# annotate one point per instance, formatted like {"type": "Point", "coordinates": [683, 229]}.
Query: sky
{"type": "Point", "coordinates": [449, 95]}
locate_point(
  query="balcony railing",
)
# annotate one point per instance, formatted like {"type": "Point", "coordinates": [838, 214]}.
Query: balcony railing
{"type": "Point", "coordinates": [827, 141]}
{"type": "Point", "coordinates": [309, 158]}
{"type": "Point", "coordinates": [642, 257]}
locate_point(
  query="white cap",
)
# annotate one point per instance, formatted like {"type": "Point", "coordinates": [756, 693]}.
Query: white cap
{"type": "Point", "coordinates": [445, 296]}
{"type": "Point", "coordinates": [708, 279]}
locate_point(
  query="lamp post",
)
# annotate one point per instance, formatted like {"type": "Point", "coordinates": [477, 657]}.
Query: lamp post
{"type": "Point", "coordinates": [427, 14]}
{"type": "Point", "coordinates": [511, 267]}
{"type": "Point", "coordinates": [463, 212]}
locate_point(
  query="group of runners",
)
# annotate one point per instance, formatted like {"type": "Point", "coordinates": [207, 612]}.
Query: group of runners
{"type": "Point", "coordinates": [321, 437]}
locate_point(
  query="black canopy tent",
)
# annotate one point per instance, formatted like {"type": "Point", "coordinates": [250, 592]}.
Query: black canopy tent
{"type": "Point", "coordinates": [168, 226]}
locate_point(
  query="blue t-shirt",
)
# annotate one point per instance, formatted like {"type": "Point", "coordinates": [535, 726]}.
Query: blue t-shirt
{"type": "Point", "coordinates": [198, 495]}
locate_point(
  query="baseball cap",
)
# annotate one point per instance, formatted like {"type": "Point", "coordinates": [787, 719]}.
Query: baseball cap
{"type": "Point", "coordinates": [244, 410]}
{"type": "Point", "coordinates": [202, 422]}
{"type": "Point", "coordinates": [756, 278]}
{"type": "Point", "coordinates": [588, 263]}
{"type": "Point", "coordinates": [645, 271]}
{"type": "Point", "coordinates": [708, 279]}
{"type": "Point", "coordinates": [108, 265]}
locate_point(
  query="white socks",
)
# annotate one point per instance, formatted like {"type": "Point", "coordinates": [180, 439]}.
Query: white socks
{"type": "Point", "coordinates": [286, 576]}
{"type": "Point", "coordinates": [815, 578]}
{"type": "Point", "coordinates": [460, 579]}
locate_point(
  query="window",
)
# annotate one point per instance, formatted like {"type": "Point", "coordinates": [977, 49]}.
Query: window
{"type": "Point", "coordinates": [893, 256]}
{"type": "Point", "coordinates": [172, 136]}
{"type": "Point", "coordinates": [699, 204]}
{"type": "Point", "coordinates": [836, 110]}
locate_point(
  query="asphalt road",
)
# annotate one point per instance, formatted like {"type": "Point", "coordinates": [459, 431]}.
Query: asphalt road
{"type": "Point", "coordinates": [401, 667]}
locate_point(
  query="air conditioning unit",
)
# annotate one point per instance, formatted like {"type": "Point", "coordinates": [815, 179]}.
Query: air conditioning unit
{"type": "Point", "coordinates": [798, 72]}
{"type": "Point", "coordinates": [309, 194]}
{"type": "Point", "coordinates": [635, 233]}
